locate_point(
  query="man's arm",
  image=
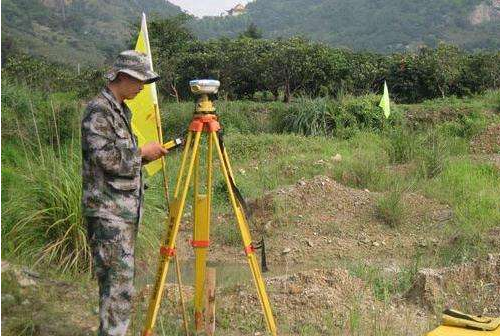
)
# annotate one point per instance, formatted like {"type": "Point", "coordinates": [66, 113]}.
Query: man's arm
{"type": "Point", "coordinates": [151, 151]}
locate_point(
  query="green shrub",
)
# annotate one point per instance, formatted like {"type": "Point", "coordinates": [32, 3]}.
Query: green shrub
{"type": "Point", "coordinates": [47, 76]}
{"type": "Point", "coordinates": [307, 117]}
{"type": "Point", "coordinates": [465, 126]}
{"type": "Point", "coordinates": [433, 154]}
{"type": "Point", "coordinates": [390, 208]}
{"type": "Point", "coordinates": [341, 118]}
{"type": "Point", "coordinates": [365, 109]}
{"type": "Point", "coordinates": [402, 145]}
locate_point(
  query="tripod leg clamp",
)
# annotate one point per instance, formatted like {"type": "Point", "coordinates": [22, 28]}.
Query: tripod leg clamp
{"type": "Point", "coordinates": [200, 243]}
{"type": "Point", "coordinates": [249, 249]}
{"type": "Point", "coordinates": [166, 251]}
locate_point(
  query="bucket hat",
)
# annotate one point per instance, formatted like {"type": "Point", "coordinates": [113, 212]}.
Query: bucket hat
{"type": "Point", "coordinates": [134, 64]}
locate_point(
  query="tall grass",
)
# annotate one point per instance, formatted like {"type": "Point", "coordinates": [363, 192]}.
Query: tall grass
{"type": "Point", "coordinates": [43, 216]}
{"type": "Point", "coordinates": [235, 116]}
{"type": "Point", "coordinates": [472, 189]}
{"type": "Point", "coordinates": [49, 227]}
{"type": "Point", "coordinates": [390, 208]}
{"type": "Point", "coordinates": [403, 145]}
{"type": "Point", "coordinates": [308, 117]}
{"type": "Point", "coordinates": [341, 118]}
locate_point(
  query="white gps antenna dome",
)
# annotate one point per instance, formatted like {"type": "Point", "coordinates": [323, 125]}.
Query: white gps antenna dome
{"type": "Point", "coordinates": [207, 86]}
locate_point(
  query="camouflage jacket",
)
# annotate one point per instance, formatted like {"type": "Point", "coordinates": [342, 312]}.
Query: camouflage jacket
{"type": "Point", "coordinates": [111, 162]}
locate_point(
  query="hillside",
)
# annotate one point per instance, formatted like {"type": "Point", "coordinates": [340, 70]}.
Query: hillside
{"type": "Point", "coordinates": [74, 31]}
{"type": "Point", "coordinates": [89, 31]}
{"type": "Point", "coordinates": [384, 25]}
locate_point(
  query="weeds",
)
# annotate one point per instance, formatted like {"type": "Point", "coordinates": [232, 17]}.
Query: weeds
{"type": "Point", "coordinates": [228, 233]}
{"type": "Point", "coordinates": [390, 208]}
{"type": "Point", "coordinates": [50, 225]}
{"type": "Point", "coordinates": [433, 156]}
{"type": "Point", "coordinates": [364, 168]}
{"type": "Point", "coordinates": [403, 145]}
{"type": "Point", "coordinates": [472, 191]}
{"type": "Point", "coordinates": [307, 117]}
{"type": "Point", "coordinates": [385, 285]}
{"type": "Point", "coordinates": [45, 217]}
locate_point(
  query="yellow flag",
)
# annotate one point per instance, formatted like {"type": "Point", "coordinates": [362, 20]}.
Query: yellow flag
{"type": "Point", "coordinates": [385, 103]}
{"type": "Point", "coordinates": [146, 122]}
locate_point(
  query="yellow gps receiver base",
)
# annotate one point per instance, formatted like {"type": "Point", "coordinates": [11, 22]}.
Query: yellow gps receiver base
{"type": "Point", "coordinates": [172, 144]}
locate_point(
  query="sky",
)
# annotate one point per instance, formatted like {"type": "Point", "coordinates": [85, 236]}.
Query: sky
{"type": "Point", "coordinates": [207, 7]}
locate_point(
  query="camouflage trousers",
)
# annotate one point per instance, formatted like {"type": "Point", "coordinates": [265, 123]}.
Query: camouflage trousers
{"type": "Point", "coordinates": [112, 243]}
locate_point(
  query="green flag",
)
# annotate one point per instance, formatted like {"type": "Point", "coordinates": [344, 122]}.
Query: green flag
{"type": "Point", "coordinates": [385, 102]}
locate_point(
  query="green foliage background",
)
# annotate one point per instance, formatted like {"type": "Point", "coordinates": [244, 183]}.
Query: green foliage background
{"type": "Point", "coordinates": [296, 66]}
{"type": "Point", "coordinates": [89, 32]}
{"type": "Point", "coordinates": [385, 26]}
{"type": "Point", "coordinates": [82, 31]}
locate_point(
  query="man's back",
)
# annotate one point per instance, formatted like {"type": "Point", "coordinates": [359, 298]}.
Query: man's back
{"type": "Point", "coordinates": [111, 167]}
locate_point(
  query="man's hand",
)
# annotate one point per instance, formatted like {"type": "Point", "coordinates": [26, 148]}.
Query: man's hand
{"type": "Point", "coordinates": [152, 151]}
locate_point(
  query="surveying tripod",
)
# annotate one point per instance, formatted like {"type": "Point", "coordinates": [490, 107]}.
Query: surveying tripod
{"type": "Point", "coordinates": [204, 122]}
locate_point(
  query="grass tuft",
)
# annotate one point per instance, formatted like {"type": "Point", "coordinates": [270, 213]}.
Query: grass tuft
{"type": "Point", "coordinates": [50, 226]}
{"type": "Point", "coordinates": [390, 208]}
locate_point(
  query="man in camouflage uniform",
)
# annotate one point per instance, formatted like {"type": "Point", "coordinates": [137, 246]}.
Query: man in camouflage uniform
{"type": "Point", "coordinates": [113, 188]}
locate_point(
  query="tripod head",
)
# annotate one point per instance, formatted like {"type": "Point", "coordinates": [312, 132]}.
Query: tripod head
{"type": "Point", "coordinates": [204, 87]}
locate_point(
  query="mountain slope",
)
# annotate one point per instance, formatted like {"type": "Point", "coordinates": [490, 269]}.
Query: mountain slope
{"type": "Point", "coordinates": [380, 25]}
{"type": "Point", "coordinates": [74, 31]}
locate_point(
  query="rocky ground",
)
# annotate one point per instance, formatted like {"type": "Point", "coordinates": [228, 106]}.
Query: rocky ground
{"type": "Point", "coordinates": [336, 268]}
{"type": "Point", "coordinates": [333, 265]}
{"type": "Point", "coordinates": [486, 145]}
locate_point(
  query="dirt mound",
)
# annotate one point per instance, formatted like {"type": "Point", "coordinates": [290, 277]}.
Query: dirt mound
{"type": "Point", "coordinates": [487, 142]}
{"type": "Point", "coordinates": [419, 116]}
{"type": "Point", "coordinates": [330, 289]}
{"type": "Point", "coordinates": [323, 219]}
{"type": "Point", "coordinates": [304, 298]}
{"type": "Point", "coordinates": [473, 287]}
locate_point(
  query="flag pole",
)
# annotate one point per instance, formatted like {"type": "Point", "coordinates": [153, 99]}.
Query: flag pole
{"type": "Point", "coordinates": [144, 28]}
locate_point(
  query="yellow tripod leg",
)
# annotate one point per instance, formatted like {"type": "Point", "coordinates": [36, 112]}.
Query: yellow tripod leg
{"type": "Point", "coordinates": [201, 234]}
{"type": "Point", "coordinates": [200, 245]}
{"type": "Point", "coordinates": [176, 211]}
{"type": "Point", "coordinates": [247, 241]}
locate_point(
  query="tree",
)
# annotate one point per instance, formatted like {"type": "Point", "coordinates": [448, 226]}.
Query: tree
{"type": "Point", "coordinates": [170, 38]}
{"type": "Point", "coordinates": [252, 32]}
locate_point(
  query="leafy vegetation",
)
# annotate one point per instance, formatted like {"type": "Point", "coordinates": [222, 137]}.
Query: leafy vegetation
{"type": "Point", "coordinates": [309, 110]}
{"type": "Point", "coordinates": [319, 128]}
{"type": "Point", "coordinates": [72, 32]}
{"type": "Point", "coordinates": [390, 208]}
{"type": "Point", "coordinates": [252, 68]}
{"type": "Point", "coordinates": [249, 67]}
{"type": "Point", "coordinates": [385, 26]}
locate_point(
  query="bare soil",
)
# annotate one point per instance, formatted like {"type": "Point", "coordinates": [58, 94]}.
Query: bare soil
{"type": "Point", "coordinates": [318, 233]}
